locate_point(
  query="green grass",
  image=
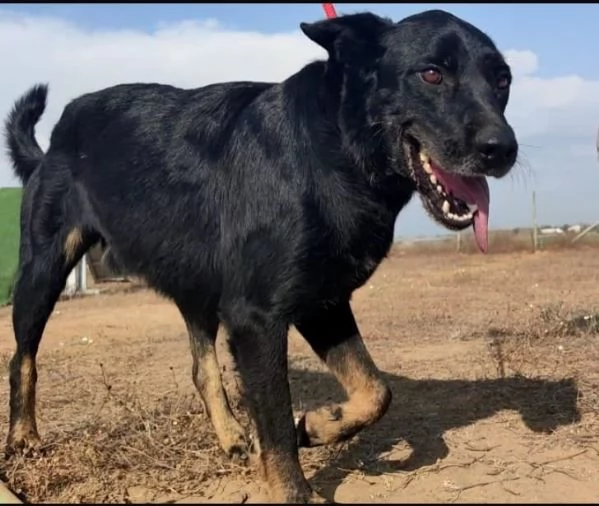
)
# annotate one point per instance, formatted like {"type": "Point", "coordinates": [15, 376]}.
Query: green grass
{"type": "Point", "coordinates": [10, 206]}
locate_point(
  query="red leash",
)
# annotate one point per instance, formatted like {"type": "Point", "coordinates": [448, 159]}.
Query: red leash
{"type": "Point", "coordinates": [329, 10]}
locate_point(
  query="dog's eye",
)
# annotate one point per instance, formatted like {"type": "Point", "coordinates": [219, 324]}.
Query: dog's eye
{"type": "Point", "coordinates": [503, 81]}
{"type": "Point", "coordinates": [431, 76]}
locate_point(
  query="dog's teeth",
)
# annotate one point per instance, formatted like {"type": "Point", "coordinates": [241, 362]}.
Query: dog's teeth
{"type": "Point", "coordinates": [473, 208]}
{"type": "Point", "coordinates": [433, 179]}
{"type": "Point", "coordinates": [463, 217]}
{"type": "Point", "coordinates": [440, 189]}
{"type": "Point", "coordinates": [446, 207]}
{"type": "Point", "coordinates": [426, 164]}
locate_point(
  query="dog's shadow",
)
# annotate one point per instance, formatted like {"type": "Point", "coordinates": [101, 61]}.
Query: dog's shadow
{"type": "Point", "coordinates": [423, 410]}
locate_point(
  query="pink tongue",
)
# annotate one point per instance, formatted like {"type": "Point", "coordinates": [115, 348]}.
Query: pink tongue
{"type": "Point", "coordinates": [472, 190]}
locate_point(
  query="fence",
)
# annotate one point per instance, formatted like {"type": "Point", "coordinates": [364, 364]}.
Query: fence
{"type": "Point", "coordinates": [532, 238]}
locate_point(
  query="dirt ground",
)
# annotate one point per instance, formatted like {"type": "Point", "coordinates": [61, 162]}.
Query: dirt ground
{"type": "Point", "coordinates": [493, 363]}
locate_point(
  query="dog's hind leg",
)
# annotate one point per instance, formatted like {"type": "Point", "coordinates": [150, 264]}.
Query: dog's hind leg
{"type": "Point", "coordinates": [207, 379]}
{"type": "Point", "coordinates": [49, 251]}
{"type": "Point", "coordinates": [334, 336]}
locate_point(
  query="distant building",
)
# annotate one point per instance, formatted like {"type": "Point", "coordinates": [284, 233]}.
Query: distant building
{"type": "Point", "coordinates": [551, 231]}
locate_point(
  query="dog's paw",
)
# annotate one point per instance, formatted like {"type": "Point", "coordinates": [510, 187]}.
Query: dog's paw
{"type": "Point", "coordinates": [27, 444]}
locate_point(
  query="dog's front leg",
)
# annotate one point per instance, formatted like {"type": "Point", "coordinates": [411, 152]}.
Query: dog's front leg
{"type": "Point", "coordinates": [333, 334]}
{"type": "Point", "coordinates": [259, 343]}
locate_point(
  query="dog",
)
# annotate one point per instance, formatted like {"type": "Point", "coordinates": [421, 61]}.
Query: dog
{"type": "Point", "coordinates": [261, 206]}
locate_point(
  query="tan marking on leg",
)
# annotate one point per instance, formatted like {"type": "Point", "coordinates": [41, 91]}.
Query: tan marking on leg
{"type": "Point", "coordinates": [72, 244]}
{"type": "Point", "coordinates": [24, 433]}
{"type": "Point", "coordinates": [368, 400]}
{"type": "Point", "coordinates": [278, 473]}
{"type": "Point", "coordinates": [208, 381]}
{"type": "Point", "coordinates": [27, 391]}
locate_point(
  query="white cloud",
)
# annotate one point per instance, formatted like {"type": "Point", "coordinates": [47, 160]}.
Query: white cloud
{"type": "Point", "coordinates": [551, 115]}
{"type": "Point", "coordinates": [521, 62]}
{"type": "Point", "coordinates": [187, 54]}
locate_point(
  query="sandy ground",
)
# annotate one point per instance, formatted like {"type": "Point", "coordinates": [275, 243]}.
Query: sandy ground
{"type": "Point", "coordinates": [493, 366]}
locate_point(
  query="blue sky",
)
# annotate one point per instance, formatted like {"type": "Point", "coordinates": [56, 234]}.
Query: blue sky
{"type": "Point", "coordinates": [557, 33]}
{"type": "Point", "coordinates": [551, 45]}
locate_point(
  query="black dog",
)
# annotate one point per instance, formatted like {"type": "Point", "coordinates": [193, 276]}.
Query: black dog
{"type": "Point", "coordinates": [264, 205]}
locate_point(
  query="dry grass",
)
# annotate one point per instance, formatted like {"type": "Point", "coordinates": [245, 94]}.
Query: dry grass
{"type": "Point", "coordinates": [164, 445]}
{"type": "Point", "coordinates": [500, 242]}
{"type": "Point", "coordinates": [554, 341]}
{"type": "Point", "coordinates": [153, 441]}
{"type": "Point", "coordinates": [484, 375]}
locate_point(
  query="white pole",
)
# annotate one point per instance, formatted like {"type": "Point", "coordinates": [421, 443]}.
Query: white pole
{"type": "Point", "coordinates": [77, 279]}
{"type": "Point", "coordinates": [80, 276]}
{"type": "Point", "coordinates": [83, 274]}
{"type": "Point", "coordinates": [585, 232]}
{"type": "Point", "coordinates": [71, 286]}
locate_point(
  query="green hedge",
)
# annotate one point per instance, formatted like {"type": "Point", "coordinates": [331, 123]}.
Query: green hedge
{"type": "Point", "coordinates": [10, 206]}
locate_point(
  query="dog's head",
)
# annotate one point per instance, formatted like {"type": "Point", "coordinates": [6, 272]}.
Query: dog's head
{"type": "Point", "coordinates": [429, 93]}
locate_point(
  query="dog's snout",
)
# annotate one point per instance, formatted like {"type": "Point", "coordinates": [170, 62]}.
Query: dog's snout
{"type": "Point", "coordinates": [497, 149]}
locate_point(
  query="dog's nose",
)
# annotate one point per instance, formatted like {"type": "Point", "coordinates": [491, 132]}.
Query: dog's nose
{"type": "Point", "coordinates": [497, 149]}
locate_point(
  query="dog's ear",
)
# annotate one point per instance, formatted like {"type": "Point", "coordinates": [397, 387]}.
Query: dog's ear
{"type": "Point", "coordinates": [346, 37]}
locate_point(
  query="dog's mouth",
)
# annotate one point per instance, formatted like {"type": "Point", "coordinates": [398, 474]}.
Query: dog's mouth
{"type": "Point", "coordinates": [453, 200]}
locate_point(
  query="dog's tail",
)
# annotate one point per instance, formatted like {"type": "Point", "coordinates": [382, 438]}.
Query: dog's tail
{"type": "Point", "coordinates": [23, 150]}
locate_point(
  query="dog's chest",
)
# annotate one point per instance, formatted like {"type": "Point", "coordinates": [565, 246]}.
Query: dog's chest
{"type": "Point", "coordinates": [352, 264]}
{"type": "Point", "coordinates": [360, 265]}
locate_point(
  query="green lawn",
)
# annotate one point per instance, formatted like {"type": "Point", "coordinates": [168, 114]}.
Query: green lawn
{"type": "Point", "coordinates": [10, 206]}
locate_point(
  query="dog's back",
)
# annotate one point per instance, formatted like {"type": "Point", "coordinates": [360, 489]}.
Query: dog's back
{"type": "Point", "coordinates": [149, 113]}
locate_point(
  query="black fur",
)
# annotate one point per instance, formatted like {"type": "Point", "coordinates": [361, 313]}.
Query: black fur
{"type": "Point", "coordinates": [262, 205]}
{"type": "Point", "coordinates": [23, 149]}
